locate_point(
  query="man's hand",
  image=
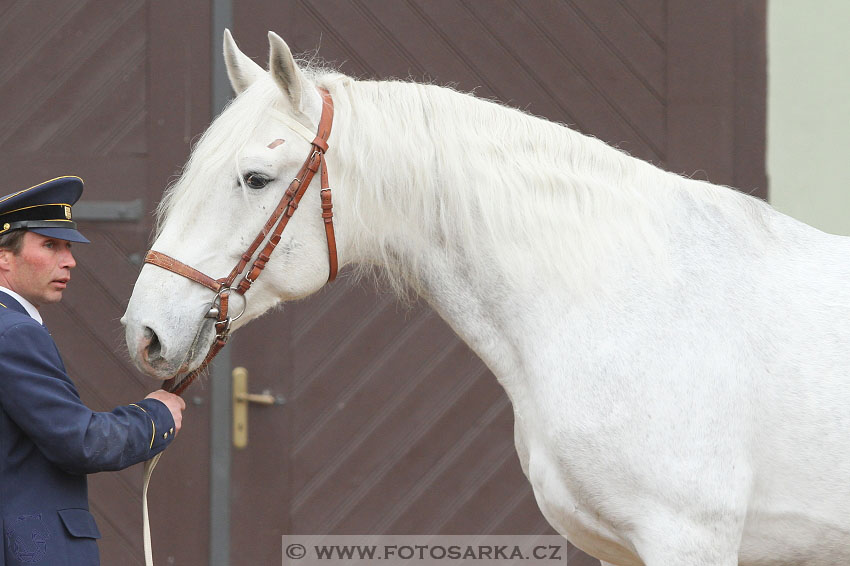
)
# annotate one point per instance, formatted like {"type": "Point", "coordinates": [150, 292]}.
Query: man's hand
{"type": "Point", "coordinates": [175, 404]}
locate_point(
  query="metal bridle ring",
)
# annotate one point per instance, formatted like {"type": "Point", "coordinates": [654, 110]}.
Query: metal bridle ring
{"type": "Point", "coordinates": [214, 309]}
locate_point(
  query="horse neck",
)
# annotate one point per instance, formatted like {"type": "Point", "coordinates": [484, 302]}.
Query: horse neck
{"type": "Point", "coordinates": [475, 206]}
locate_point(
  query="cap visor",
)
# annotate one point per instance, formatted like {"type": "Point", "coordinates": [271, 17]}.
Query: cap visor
{"type": "Point", "coordinates": [68, 234]}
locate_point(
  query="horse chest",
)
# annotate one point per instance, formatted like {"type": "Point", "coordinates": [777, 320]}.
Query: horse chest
{"type": "Point", "coordinates": [560, 493]}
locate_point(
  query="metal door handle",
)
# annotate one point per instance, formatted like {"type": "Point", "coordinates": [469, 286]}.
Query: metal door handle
{"type": "Point", "coordinates": [241, 398]}
{"type": "Point", "coordinates": [259, 398]}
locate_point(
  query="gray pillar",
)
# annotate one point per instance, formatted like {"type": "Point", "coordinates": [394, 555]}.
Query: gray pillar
{"type": "Point", "coordinates": [221, 408]}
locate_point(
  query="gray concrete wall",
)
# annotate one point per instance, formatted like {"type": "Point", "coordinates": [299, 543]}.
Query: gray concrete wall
{"type": "Point", "coordinates": [808, 143]}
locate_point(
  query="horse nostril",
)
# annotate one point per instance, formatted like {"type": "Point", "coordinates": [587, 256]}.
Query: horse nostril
{"type": "Point", "coordinates": [153, 348]}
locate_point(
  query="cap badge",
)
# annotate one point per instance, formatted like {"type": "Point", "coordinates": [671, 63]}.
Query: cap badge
{"type": "Point", "coordinates": [68, 212]}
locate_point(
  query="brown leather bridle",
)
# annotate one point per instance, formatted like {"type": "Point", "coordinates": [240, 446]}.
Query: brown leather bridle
{"type": "Point", "coordinates": [274, 226]}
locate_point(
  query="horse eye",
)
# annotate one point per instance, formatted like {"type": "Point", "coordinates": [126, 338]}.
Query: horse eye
{"type": "Point", "coordinates": [256, 181]}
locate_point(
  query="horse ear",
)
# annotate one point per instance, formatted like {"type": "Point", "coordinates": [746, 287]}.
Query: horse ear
{"type": "Point", "coordinates": [284, 70]}
{"type": "Point", "coordinates": [241, 69]}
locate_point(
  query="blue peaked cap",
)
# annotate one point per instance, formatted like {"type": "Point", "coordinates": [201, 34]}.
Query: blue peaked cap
{"type": "Point", "coordinates": [44, 209]}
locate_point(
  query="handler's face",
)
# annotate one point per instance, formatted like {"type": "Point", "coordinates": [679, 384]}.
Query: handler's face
{"type": "Point", "coordinates": [42, 269]}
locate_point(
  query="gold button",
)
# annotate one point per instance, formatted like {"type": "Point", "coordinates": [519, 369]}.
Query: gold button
{"type": "Point", "coordinates": [165, 435]}
{"type": "Point", "coordinates": [6, 226]}
{"type": "Point", "coordinates": [171, 431]}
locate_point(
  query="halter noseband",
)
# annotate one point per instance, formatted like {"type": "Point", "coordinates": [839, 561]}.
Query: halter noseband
{"type": "Point", "coordinates": [274, 226]}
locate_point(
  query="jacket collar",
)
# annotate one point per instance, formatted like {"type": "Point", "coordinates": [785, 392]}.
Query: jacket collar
{"type": "Point", "coordinates": [12, 300]}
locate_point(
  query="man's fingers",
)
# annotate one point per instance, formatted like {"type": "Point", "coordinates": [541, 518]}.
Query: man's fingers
{"type": "Point", "coordinates": [176, 405]}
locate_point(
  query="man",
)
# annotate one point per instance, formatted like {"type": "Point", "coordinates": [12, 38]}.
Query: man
{"type": "Point", "coordinates": [49, 440]}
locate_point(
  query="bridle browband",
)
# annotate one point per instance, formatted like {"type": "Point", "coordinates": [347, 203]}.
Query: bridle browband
{"type": "Point", "coordinates": [274, 226]}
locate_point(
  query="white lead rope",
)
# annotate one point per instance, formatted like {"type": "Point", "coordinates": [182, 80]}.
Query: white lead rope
{"type": "Point", "coordinates": [146, 524]}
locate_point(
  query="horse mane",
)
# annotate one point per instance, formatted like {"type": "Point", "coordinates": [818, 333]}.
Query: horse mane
{"type": "Point", "coordinates": [522, 194]}
{"type": "Point", "coordinates": [517, 193]}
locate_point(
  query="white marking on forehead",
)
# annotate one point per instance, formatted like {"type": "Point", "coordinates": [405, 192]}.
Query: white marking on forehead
{"type": "Point", "coordinates": [294, 125]}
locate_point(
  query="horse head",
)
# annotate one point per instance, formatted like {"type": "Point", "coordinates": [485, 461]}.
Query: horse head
{"type": "Point", "coordinates": [237, 175]}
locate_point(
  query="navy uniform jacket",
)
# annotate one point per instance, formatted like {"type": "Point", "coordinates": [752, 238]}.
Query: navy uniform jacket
{"type": "Point", "coordinates": [49, 441]}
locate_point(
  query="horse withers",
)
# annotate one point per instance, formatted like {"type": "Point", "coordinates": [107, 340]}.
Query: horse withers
{"type": "Point", "coordinates": [677, 354]}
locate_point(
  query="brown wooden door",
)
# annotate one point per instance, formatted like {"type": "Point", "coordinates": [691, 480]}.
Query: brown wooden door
{"type": "Point", "coordinates": [390, 424]}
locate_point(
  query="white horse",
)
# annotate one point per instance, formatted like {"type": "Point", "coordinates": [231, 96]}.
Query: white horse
{"type": "Point", "coordinates": [677, 353]}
